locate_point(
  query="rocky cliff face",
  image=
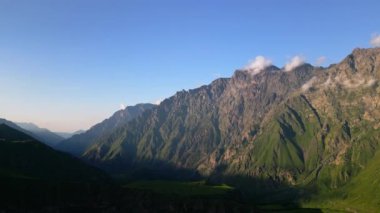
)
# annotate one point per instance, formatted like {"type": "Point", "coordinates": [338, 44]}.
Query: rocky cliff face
{"type": "Point", "coordinates": [195, 129]}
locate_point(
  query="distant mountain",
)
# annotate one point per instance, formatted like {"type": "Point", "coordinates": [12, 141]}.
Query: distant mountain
{"type": "Point", "coordinates": [42, 134]}
{"type": "Point", "coordinates": [78, 143]}
{"type": "Point", "coordinates": [312, 129]}
{"type": "Point", "coordinates": [22, 156]}
{"type": "Point", "coordinates": [67, 135]}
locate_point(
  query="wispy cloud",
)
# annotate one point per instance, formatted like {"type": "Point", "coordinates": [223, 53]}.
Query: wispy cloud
{"type": "Point", "coordinates": [294, 63]}
{"type": "Point", "coordinates": [217, 75]}
{"type": "Point", "coordinates": [375, 40]}
{"type": "Point", "coordinates": [357, 82]}
{"type": "Point", "coordinates": [308, 84]}
{"type": "Point", "coordinates": [258, 64]}
{"type": "Point", "coordinates": [320, 61]}
{"type": "Point", "coordinates": [371, 82]}
{"type": "Point", "coordinates": [352, 84]}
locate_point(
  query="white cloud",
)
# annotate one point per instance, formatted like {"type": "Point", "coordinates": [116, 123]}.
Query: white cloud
{"type": "Point", "coordinates": [375, 40]}
{"type": "Point", "coordinates": [122, 106]}
{"type": "Point", "coordinates": [294, 63]}
{"type": "Point", "coordinates": [158, 101]}
{"type": "Point", "coordinates": [258, 64]}
{"type": "Point", "coordinates": [320, 61]}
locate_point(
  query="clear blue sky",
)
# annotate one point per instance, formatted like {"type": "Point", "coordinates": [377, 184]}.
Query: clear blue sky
{"type": "Point", "coordinates": [67, 64]}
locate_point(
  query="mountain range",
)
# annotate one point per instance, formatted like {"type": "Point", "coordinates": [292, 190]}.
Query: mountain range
{"type": "Point", "coordinates": [310, 128]}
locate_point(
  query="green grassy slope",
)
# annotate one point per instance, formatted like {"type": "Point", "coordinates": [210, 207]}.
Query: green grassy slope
{"type": "Point", "coordinates": [361, 194]}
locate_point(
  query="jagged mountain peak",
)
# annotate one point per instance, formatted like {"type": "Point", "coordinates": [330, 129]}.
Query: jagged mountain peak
{"type": "Point", "coordinates": [273, 75]}
{"type": "Point", "coordinates": [244, 73]}
{"type": "Point", "coordinates": [124, 113]}
{"type": "Point", "coordinates": [357, 52]}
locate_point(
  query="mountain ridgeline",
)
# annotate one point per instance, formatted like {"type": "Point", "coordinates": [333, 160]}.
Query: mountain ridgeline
{"type": "Point", "coordinates": [311, 128]}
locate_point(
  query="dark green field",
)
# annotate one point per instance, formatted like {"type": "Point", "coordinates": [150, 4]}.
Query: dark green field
{"type": "Point", "coordinates": [187, 189]}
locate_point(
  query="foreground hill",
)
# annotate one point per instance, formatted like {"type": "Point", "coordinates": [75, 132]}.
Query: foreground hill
{"type": "Point", "coordinates": [36, 178]}
{"type": "Point", "coordinates": [77, 144]}
{"type": "Point", "coordinates": [43, 135]}
{"type": "Point", "coordinates": [21, 156]}
{"type": "Point", "coordinates": [311, 128]}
